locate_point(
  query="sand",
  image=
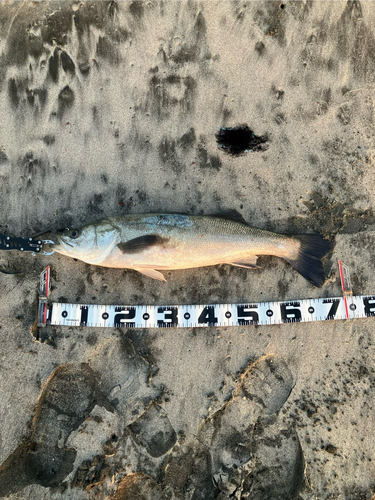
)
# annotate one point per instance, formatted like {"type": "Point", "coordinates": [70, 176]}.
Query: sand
{"type": "Point", "coordinates": [112, 107]}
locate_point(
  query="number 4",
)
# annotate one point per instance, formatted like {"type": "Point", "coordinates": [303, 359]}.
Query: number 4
{"type": "Point", "coordinates": [207, 316]}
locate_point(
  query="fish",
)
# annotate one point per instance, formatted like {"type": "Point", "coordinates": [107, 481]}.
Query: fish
{"type": "Point", "coordinates": [155, 242]}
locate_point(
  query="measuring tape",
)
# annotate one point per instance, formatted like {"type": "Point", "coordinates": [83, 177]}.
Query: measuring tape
{"type": "Point", "coordinates": [192, 316]}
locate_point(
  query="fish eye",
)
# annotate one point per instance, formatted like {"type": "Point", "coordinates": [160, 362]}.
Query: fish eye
{"type": "Point", "coordinates": [75, 233]}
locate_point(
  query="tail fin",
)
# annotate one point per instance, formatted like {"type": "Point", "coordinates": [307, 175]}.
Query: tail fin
{"type": "Point", "coordinates": [309, 260]}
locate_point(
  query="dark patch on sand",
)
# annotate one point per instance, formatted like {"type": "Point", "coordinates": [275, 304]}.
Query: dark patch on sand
{"type": "Point", "coordinates": [168, 155]}
{"type": "Point", "coordinates": [237, 140]}
{"type": "Point", "coordinates": [53, 65]}
{"type": "Point", "coordinates": [92, 338]}
{"type": "Point", "coordinates": [345, 113]}
{"type": "Point", "coordinates": [195, 47]}
{"type": "Point", "coordinates": [67, 63]}
{"type": "Point", "coordinates": [31, 166]}
{"type": "Point", "coordinates": [13, 92]}
{"type": "Point", "coordinates": [271, 18]}
{"type": "Point", "coordinates": [65, 101]}
{"type": "Point", "coordinates": [136, 9]}
{"type": "Point", "coordinates": [188, 139]}
{"type": "Point", "coordinates": [170, 92]}
{"type": "Point", "coordinates": [283, 288]}
{"type": "Point", "coordinates": [355, 40]}
{"type": "Point", "coordinates": [260, 48]}
{"type": "Point", "coordinates": [172, 153]}
{"type": "Point", "coordinates": [49, 139]}
{"type": "Point", "coordinates": [207, 161]}
{"type": "Point", "coordinates": [280, 118]}
{"type": "Point", "coordinates": [107, 50]}
{"type": "Point", "coordinates": [3, 157]}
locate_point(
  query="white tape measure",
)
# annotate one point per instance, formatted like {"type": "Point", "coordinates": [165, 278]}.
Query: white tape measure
{"type": "Point", "coordinates": [188, 316]}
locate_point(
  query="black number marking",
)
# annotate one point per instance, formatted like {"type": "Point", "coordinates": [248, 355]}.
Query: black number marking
{"type": "Point", "coordinates": [290, 312]}
{"type": "Point", "coordinates": [84, 315]}
{"type": "Point", "coordinates": [242, 313]}
{"type": "Point", "coordinates": [171, 314]}
{"type": "Point", "coordinates": [369, 303]}
{"type": "Point", "coordinates": [335, 304]}
{"type": "Point", "coordinates": [207, 316]}
{"type": "Point", "coordinates": [123, 317]}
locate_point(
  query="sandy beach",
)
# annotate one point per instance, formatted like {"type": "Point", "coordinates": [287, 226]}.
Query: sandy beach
{"type": "Point", "coordinates": [110, 108]}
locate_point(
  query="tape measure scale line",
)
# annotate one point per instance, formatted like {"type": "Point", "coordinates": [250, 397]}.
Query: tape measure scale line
{"type": "Point", "coordinates": [185, 316]}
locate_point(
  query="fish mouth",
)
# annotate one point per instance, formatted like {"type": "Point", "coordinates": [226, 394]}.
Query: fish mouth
{"type": "Point", "coordinates": [64, 245]}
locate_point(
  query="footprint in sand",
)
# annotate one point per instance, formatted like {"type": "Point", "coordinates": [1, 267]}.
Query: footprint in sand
{"type": "Point", "coordinates": [253, 454]}
{"type": "Point", "coordinates": [67, 399]}
{"type": "Point", "coordinates": [242, 451]}
{"type": "Point", "coordinates": [125, 379]}
{"type": "Point", "coordinates": [263, 389]}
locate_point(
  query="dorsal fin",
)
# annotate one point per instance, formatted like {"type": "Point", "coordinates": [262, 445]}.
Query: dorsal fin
{"type": "Point", "coordinates": [232, 215]}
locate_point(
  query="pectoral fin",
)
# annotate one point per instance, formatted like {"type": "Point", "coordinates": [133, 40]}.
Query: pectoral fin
{"type": "Point", "coordinates": [249, 263]}
{"type": "Point", "coordinates": [137, 245]}
{"type": "Point", "coordinates": [151, 273]}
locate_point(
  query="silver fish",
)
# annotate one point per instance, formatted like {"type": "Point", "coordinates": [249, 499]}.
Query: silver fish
{"type": "Point", "coordinates": [150, 243]}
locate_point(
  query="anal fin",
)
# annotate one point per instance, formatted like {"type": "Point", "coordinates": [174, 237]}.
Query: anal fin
{"type": "Point", "coordinates": [152, 273]}
{"type": "Point", "coordinates": [249, 263]}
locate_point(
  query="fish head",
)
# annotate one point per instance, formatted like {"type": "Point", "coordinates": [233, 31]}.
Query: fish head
{"type": "Point", "coordinates": [76, 243]}
{"type": "Point", "coordinates": [88, 243]}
